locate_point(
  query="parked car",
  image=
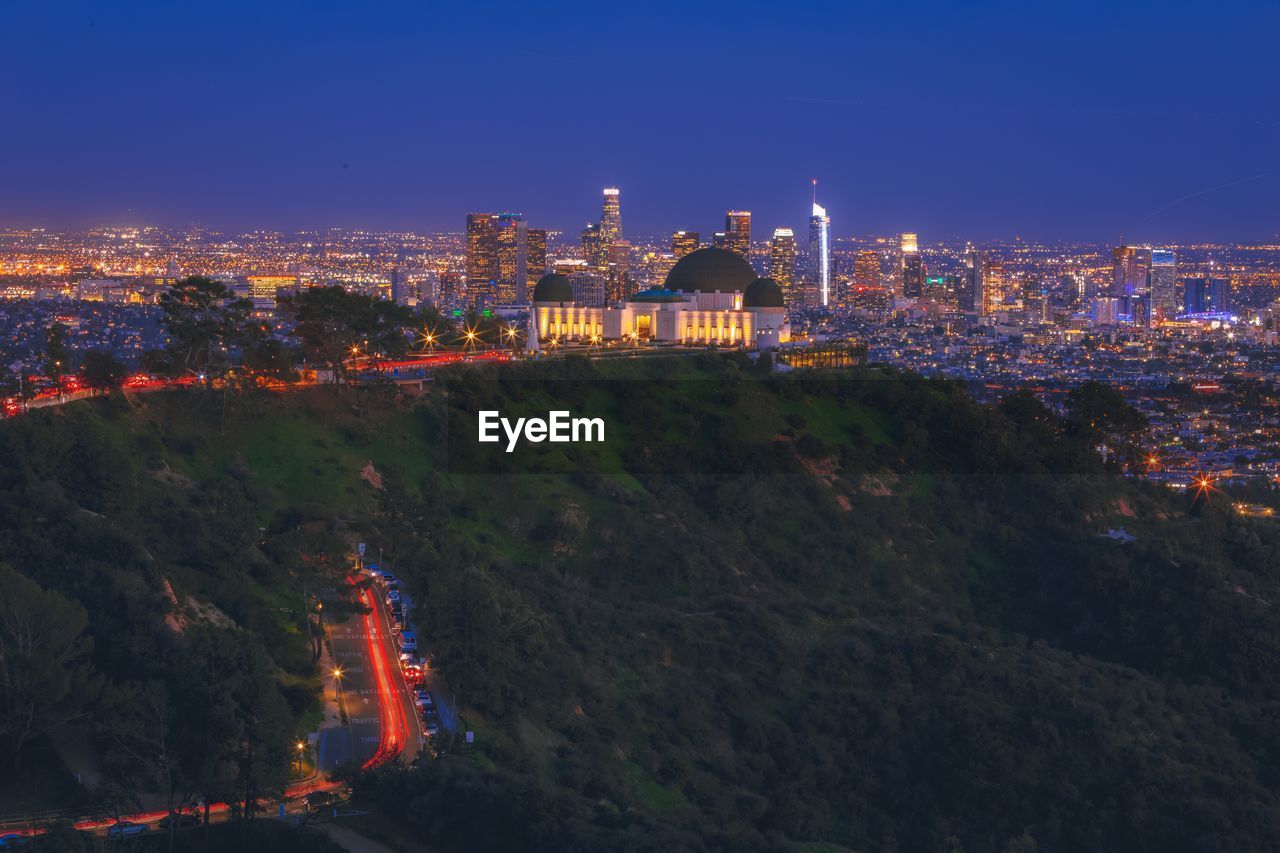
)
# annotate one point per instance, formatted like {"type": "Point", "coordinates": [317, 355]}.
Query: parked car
{"type": "Point", "coordinates": [433, 728]}
{"type": "Point", "coordinates": [393, 596]}
{"type": "Point", "coordinates": [390, 580]}
{"type": "Point", "coordinates": [12, 839]}
{"type": "Point", "coordinates": [126, 829]}
{"type": "Point", "coordinates": [423, 700]}
{"type": "Point", "coordinates": [319, 799]}
{"type": "Point", "coordinates": [177, 819]}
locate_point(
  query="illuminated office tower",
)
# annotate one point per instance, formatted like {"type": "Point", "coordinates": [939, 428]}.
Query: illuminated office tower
{"type": "Point", "coordinates": [819, 256]}
{"type": "Point", "coordinates": [995, 286]}
{"type": "Point", "coordinates": [399, 286]}
{"type": "Point", "coordinates": [1207, 295]}
{"type": "Point", "coordinates": [656, 265]}
{"type": "Point", "coordinates": [598, 237]}
{"type": "Point", "coordinates": [513, 258]}
{"type": "Point", "coordinates": [973, 298]}
{"type": "Point", "coordinates": [912, 267]}
{"type": "Point", "coordinates": [684, 242]}
{"type": "Point", "coordinates": [866, 270]}
{"type": "Point", "coordinates": [482, 258]}
{"type": "Point", "coordinates": [611, 217]}
{"type": "Point", "coordinates": [1164, 285]}
{"type": "Point", "coordinates": [737, 232]}
{"type": "Point", "coordinates": [1106, 311]}
{"type": "Point", "coordinates": [618, 271]}
{"type": "Point", "coordinates": [594, 250]}
{"type": "Point", "coordinates": [1074, 288]}
{"type": "Point", "coordinates": [1219, 295]}
{"type": "Point", "coordinates": [535, 259]}
{"type": "Point", "coordinates": [587, 284]}
{"type": "Point", "coordinates": [1130, 272]}
{"type": "Point", "coordinates": [782, 263]}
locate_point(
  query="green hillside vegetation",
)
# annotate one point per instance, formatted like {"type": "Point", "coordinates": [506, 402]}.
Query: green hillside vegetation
{"type": "Point", "coordinates": [852, 610]}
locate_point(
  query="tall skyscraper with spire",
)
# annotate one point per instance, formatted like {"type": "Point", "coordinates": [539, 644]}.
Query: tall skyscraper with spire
{"type": "Point", "coordinates": [820, 249]}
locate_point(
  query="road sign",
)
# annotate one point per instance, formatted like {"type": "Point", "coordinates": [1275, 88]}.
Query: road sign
{"type": "Point", "coordinates": [471, 738]}
{"type": "Point", "coordinates": [360, 548]}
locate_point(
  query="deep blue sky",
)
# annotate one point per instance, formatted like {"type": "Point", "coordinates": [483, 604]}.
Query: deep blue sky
{"type": "Point", "coordinates": [975, 120]}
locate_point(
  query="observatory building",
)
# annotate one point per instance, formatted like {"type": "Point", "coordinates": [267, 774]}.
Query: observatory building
{"type": "Point", "coordinates": [711, 296]}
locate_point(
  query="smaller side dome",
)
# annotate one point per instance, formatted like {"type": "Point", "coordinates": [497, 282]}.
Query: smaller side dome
{"type": "Point", "coordinates": [763, 293]}
{"type": "Point", "coordinates": [553, 287]}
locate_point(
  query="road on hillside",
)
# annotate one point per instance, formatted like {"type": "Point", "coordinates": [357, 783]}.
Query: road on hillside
{"type": "Point", "coordinates": [403, 722]}
{"type": "Point", "coordinates": [358, 741]}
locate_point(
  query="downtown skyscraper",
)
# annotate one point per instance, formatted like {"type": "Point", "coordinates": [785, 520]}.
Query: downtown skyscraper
{"type": "Point", "coordinates": [684, 242]}
{"type": "Point", "coordinates": [482, 258]}
{"type": "Point", "coordinates": [819, 254]}
{"type": "Point", "coordinates": [737, 232]}
{"type": "Point", "coordinates": [604, 249]}
{"type": "Point", "coordinates": [912, 267]}
{"type": "Point", "coordinates": [782, 263]}
{"type": "Point", "coordinates": [1164, 285]}
{"type": "Point", "coordinates": [504, 258]}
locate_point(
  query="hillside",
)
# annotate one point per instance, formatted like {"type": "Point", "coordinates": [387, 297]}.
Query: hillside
{"type": "Point", "coordinates": [852, 610]}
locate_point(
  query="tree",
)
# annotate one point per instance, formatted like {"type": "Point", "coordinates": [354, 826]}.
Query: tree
{"type": "Point", "coordinates": [57, 356]}
{"type": "Point", "coordinates": [265, 355]}
{"type": "Point", "coordinates": [142, 732]}
{"type": "Point", "coordinates": [102, 371]}
{"type": "Point", "coordinates": [334, 325]}
{"type": "Point", "coordinates": [232, 736]}
{"type": "Point", "coordinates": [203, 318]}
{"type": "Point", "coordinates": [1098, 409]}
{"type": "Point", "coordinates": [44, 680]}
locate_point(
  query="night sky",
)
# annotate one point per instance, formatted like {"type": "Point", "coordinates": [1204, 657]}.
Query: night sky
{"type": "Point", "coordinates": [978, 121]}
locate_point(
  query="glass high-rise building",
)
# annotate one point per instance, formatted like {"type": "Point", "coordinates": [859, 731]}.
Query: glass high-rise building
{"type": "Point", "coordinates": [618, 271]}
{"type": "Point", "coordinates": [782, 263]}
{"type": "Point", "coordinates": [611, 216]}
{"type": "Point", "coordinates": [1207, 295]}
{"type": "Point", "coordinates": [867, 270]}
{"type": "Point", "coordinates": [598, 238]}
{"type": "Point", "coordinates": [513, 257]}
{"type": "Point", "coordinates": [535, 260]}
{"type": "Point", "coordinates": [482, 258]}
{"type": "Point", "coordinates": [912, 267]}
{"type": "Point", "coordinates": [1164, 285]}
{"type": "Point", "coordinates": [973, 298]}
{"type": "Point", "coordinates": [1130, 271]}
{"type": "Point", "coordinates": [819, 255]}
{"type": "Point", "coordinates": [684, 242]}
{"type": "Point", "coordinates": [737, 232]}
{"type": "Point", "coordinates": [505, 258]}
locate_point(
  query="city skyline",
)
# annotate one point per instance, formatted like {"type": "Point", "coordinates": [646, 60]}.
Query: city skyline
{"type": "Point", "coordinates": [298, 121]}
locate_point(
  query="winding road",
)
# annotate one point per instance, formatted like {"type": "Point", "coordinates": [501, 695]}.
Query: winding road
{"type": "Point", "coordinates": [382, 722]}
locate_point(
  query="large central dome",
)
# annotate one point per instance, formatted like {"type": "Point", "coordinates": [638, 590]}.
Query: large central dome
{"type": "Point", "coordinates": [710, 269]}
